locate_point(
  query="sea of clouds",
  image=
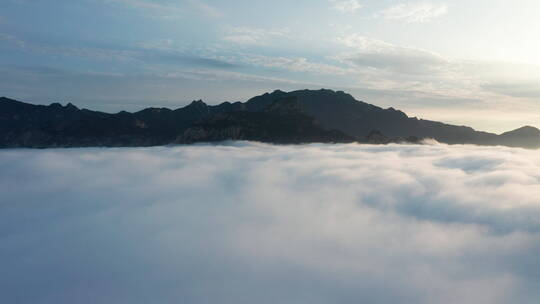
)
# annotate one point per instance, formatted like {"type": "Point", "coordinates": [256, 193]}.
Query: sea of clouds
{"type": "Point", "coordinates": [253, 223]}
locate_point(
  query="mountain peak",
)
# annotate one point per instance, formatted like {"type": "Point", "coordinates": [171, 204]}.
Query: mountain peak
{"type": "Point", "coordinates": [197, 103]}
{"type": "Point", "coordinates": [56, 105]}
{"type": "Point", "coordinates": [71, 106]}
{"type": "Point", "coordinates": [524, 131]}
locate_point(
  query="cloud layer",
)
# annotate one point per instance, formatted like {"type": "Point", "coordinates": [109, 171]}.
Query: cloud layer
{"type": "Point", "coordinates": [254, 223]}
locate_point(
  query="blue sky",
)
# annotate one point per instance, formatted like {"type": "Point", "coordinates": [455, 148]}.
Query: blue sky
{"type": "Point", "coordinates": [463, 62]}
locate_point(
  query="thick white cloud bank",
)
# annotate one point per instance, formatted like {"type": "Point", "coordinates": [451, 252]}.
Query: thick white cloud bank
{"type": "Point", "coordinates": [253, 223]}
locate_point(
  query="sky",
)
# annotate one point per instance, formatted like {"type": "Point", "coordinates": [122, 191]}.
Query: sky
{"type": "Point", "coordinates": [464, 62]}
{"type": "Point", "coordinates": [243, 223]}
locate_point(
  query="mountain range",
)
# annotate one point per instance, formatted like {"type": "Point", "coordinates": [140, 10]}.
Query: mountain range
{"type": "Point", "coordinates": [302, 116]}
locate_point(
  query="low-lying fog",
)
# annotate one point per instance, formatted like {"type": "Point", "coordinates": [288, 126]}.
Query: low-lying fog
{"type": "Point", "coordinates": [253, 223]}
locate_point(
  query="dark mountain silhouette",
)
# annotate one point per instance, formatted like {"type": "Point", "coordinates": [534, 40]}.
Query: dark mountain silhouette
{"type": "Point", "coordinates": [338, 110]}
{"type": "Point", "coordinates": [39, 126]}
{"type": "Point", "coordinates": [278, 117]}
{"type": "Point", "coordinates": [283, 122]}
{"type": "Point", "coordinates": [523, 137]}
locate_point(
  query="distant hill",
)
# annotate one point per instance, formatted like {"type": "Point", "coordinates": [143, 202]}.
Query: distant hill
{"type": "Point", "coordinates": [278, 117]}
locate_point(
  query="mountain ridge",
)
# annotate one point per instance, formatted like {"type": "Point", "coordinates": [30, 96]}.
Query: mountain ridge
{"type": "Point", "coordinates": [321, 111]}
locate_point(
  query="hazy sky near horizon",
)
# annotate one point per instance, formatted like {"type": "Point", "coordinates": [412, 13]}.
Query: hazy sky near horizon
{"type": "Point", "coordinates": [459, 61]}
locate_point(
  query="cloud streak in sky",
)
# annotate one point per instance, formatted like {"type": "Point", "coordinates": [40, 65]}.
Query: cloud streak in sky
{"type": "Point", "coordinates": [346, 6]}
{"type": "Point", "coordinates": [153, 8]}
{"type": "Point", "coordinates": [254, 223]}
{"type": "Point", "coordinates": [419, 12]}
{"type": "Point", "coordinates": [382, 55]}
{"type": "Point", "coordinates": [252, 36]}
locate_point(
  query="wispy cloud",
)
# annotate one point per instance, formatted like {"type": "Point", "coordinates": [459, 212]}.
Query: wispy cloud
{"type": "Point", "coordinates": [294, 64]}
{"type": "Point", "coordinates": [164, 44]}
{"type": "Point", "coordinates": [73, 51]}
{"type": "Point", "coordinates": [171, 10]}
{"type": "Point", "coordinates": [416, 75]}
{"type": "Point", "coordinates": [252, 36]}
{"type": "Point", "coordinates": [419, 12]}
{"type": "Point", "coordinates": [12, 40]}
{"type": "Point", "coordinates": [152, 53]}
{"type": "Point", "coordinates": [523, 89]}
{"type": "Point", "coordinates": [382, 55]}
{"type": "Point", "coordinates": [206, 9]}
{"type": "Point", "coordinates": [153, 8]}
{"type": "Point", "coordinates": [346, 6]}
